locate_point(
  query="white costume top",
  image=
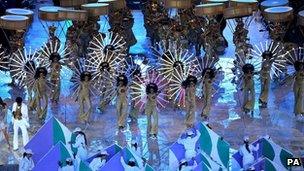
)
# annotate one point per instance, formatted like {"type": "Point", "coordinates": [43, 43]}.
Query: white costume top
{"type": "Point", "coordinates": [24, 110]}
{"type": "Point", "coordinates": [81, 147]}
{"type": "Point", "coordinates": [66, 168]}
{"type": "Point", "coordinates": [129, 168]}
{"type": "Point", "coordinates": [189, 144]}
{"type": "Point", "coordinates": [248, 158]}
{"type": "Point", "coordinates": [97, 163]}
{"type": "Point", "coordinates": [26, 164]}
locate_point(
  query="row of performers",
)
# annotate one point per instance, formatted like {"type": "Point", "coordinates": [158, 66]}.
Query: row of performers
{"type": "Point", "coordinates": [175, 66]}
{"type": "Point", "coordinates": [152, 90]}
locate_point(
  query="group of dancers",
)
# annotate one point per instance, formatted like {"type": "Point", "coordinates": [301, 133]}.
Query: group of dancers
{"type": "Point", "coordinates": [174, 78]}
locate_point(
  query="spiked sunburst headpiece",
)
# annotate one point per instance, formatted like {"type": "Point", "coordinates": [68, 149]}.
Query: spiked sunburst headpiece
{"type": "Point", "coordinates": [270, 52]}
{"type": "Point", "coordinates": [24, 64]}
{"type": "Point", "coordinates": [109, 42]}
{"type": "Point", "coordinates": [141, 86]}
{"type": "Point", "coordinates": [51, 50]}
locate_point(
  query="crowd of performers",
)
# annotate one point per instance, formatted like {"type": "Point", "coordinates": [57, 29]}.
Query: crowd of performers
{"type": "Point", "coordinates": [107, 71]}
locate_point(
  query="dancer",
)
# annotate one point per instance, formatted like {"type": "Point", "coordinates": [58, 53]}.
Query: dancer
{"type": "Point", "coordinates": [79, 144]}
{"type": "Point", "coordinates": [53, 56]}
{"type": "Point", "coordinates": [273, 64]}
{"type": "Point", "coordinates": [150, 110]}
{"type": "Point", "coordinates": [208, 77]}
{"type": "Point", "coordinates": [106, 85]}
{"type": "Point", "coordinates": [189, 143]}
{"type": "Point", "coordinates": [295, 57]}
{"type": "Point", "coordinates": [131, 165]}
{"type": "Point", "coordinates": [99, 161]}
{"type": "Point", "coordinates": [298, 89]}
{"type": "Point", "coordinates": [244, 70]}
{"type": "Point", "coordinates": [27, 163]}
{"type": "Point", "coordinates": [265, 78]}
{"type": "Point", "coordinates": [122, 102]}
{"type": "Point", "coordinates": [246, 151]}
{"type": "Point", "coordinates": [41, 96]}
{"type": "Point", "coordinates": [184, 165]}
{"type": "Point", "coordinates": [190, 88]}
{"type": "Point", "coordinates": [248, 88]}
{"type": "Point", "coordinates": [3, 126]}
{"type": "Point", "coordinates": [55, 76]}
{"type": "Point", "coordinates": [84, 97]}
{"type": "Point", "coordinates": [21, 120]}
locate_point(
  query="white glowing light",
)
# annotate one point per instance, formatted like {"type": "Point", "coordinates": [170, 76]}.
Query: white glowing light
{"type": "Point", "coordinates": [99, 44]}
{"type": "Point", "coordinates": [240, 61]}
{"type": "Point", "coordinates": [21, 69]}
{"type": "Point", "coordinates": [277, 62]}
{"type": "Point", "coordinates": [295, 54]}
{"type": "Point", "coordinates": [139, 89]}
{"type": "Point", "coordinates": [50, 48]}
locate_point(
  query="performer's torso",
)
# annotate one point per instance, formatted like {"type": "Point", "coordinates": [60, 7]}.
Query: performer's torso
{"type": "Point", "coordinates": [190, 94]}
{"type": "Point", "coordinates": [207, 85]}
{"type": "Point", "coordinates": [18, 114]}
{"type": "Point", "coordinates": [122, 93]}
{"type": "Point", "coordinates": [41, 85]}
{"type": "Point", "coordinates": [84, 89]}
{"type": "Point", "coordinates": [151, 99]}
{"type": "Point", "coordinates": [265, 71]}
{"type": "Point", "coordinates": [248, 82]}
{"type": "Point", "coordinates": [55, 73]}
{"type": "Point", "coordinates": [299, 79]}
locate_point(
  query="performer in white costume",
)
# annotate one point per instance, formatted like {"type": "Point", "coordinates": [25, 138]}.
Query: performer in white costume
{"type": "Point", "coordinates": [246, 151]}
{"type": "Point", "coordinates": [81, 145]}
{"type": "Point", "coordinates": [26, 163]}
{"type": "Point", "coordinates": [189, 143]}
{"type": "Point", "coordinates": [21, 120]}
{"type": "Point", "coordinates": [99, 161]}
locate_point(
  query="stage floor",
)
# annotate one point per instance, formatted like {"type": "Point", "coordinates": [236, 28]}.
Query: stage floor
{"type": "Point", "coordinates": [226, 116]}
